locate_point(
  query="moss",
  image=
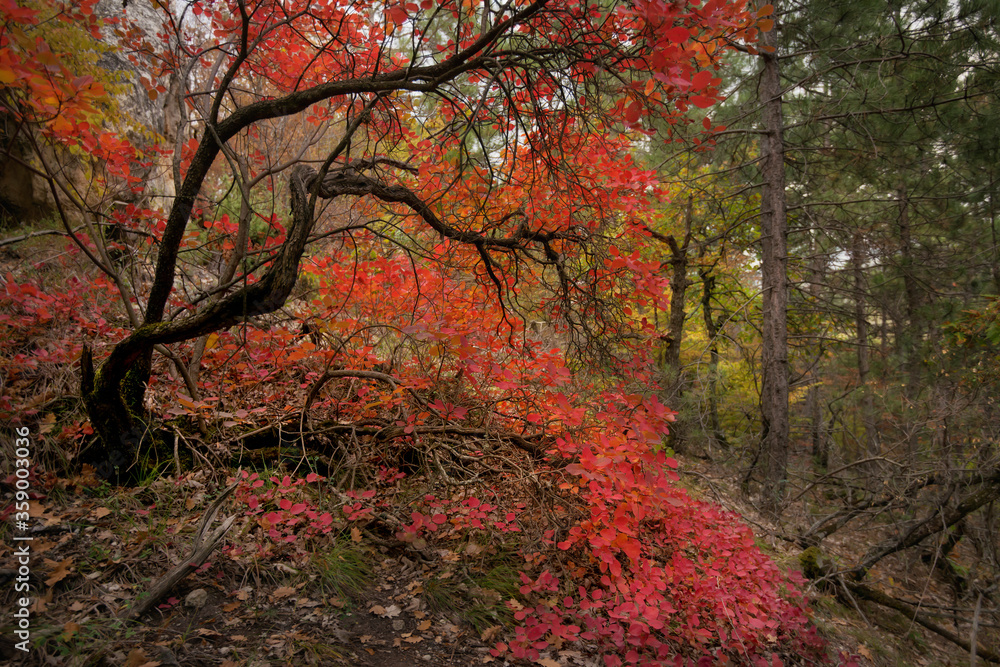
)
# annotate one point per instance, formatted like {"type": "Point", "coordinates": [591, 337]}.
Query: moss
{"type": "Point", "coordinates": [811, 562]}
{"type": "Point", "coordinates": [133, 389]}
{"type": "Point", "coordinates": [128, 449]}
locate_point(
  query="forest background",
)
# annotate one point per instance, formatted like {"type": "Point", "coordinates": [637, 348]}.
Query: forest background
{"type": "Point", "coordinates": [449, 288]}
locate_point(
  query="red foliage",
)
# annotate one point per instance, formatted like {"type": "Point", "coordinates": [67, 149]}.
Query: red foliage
{"type": "Point", "coordinates": [634, 565]}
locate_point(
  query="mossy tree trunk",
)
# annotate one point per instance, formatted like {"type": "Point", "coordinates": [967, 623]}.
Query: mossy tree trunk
{"type": "Point", "coordinates": [114, 393]}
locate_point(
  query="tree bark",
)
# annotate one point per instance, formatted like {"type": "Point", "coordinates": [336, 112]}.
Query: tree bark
{"type": "Point", "coordinates": [817, 429]}
{"type": "Point", "coordinates": [870, 437]}
{"type": "Point", "coordinates": [774, 286]}
{"type": "Point", "coordinates": [911, 333]}
{"type": "Point", "coordinates": [707, 288]}
{"type": "Point", "coordinates": [679, 283]}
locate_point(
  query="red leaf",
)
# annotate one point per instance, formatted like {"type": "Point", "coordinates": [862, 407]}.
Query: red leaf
{"type": "Point", "coordinates": [397, 14]}
{"type": "Point", "coordinates": [701, 80]}
{"type": "Point", "coordinates": [702, 101]}
{"type": "Point", "coordinates": [678, 34]}
{"type": "Point", "coordinates": [632, 112]}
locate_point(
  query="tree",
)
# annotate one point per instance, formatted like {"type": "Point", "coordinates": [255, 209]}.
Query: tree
{"type": "Point", "coordinates": [481, 98]}
{"type": "Point", "coordinates": [774, 279]}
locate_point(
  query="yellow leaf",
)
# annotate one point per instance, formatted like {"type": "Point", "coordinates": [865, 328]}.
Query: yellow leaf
{"type": "Point", "coordinates": [7, 76]}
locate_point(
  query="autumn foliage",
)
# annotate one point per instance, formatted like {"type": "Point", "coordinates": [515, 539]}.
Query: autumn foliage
{"type": "Point", "coordinates": [479, 181]}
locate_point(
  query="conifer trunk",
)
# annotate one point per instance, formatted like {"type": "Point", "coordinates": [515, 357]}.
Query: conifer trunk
{"type": "Point", "coordinates": [774, 260]}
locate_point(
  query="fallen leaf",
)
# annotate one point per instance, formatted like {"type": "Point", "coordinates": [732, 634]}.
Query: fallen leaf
{"type": "Point", "coordinates": [864, 652]}
{"type": "Point", "coordinates": [77, 606]}
{"type": "Point", "coordinates": [414, 640]}
{"type": "Point", "coordinates": [42, 546]}
{"type": "Point", "coordinates": [42, 602]}
{"type": "Point", "coordinates": [355, 534]}
{"type": "Point", "coordinates": [230, 607]}
{"type": "Point", "coordinates": [490, 632]}
{"type": "Point", "coordinates": [101, 512]}
{"type": "Point", "coordinates": [138, 659]}
{"type": "Point", "coordinates": [70, 629]}
{"type": "Point", "coordinates": [208, 632]}
{"type": "Point", "coordinates": [284, 592]}
{"type": "Point", "coordinates": [60, 570]}
{"type": "Point", "coordinates": [547, 662]}
{"type": "Point", "coordinates": [238, 638]}
{"type": "Point", "coordinates": [392, 611]}
{"type": "Point", "coordinates": [47, 423]}
{"type": "Point", "coordinates": [424, 625]}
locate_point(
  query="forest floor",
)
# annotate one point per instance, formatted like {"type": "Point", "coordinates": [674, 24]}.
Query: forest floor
{"type": "Point", "coordinates": [96, 549]}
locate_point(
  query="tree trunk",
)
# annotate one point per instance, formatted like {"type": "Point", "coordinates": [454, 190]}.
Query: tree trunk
{"type": "Point", "coordinates": [672, 354]}
{"type": "Point", "coordinates": [774, 260]}
{"type": "Point", "coordinates": [707, 288]}
{"type": "Point", "coordinates": [870, 437]}
{"type": "Point", "coordinates": [817, 429]}
{"type": "Point", "coordinates": [114, 393]}
{"type": "Point", "coordinates": [911, 334]}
